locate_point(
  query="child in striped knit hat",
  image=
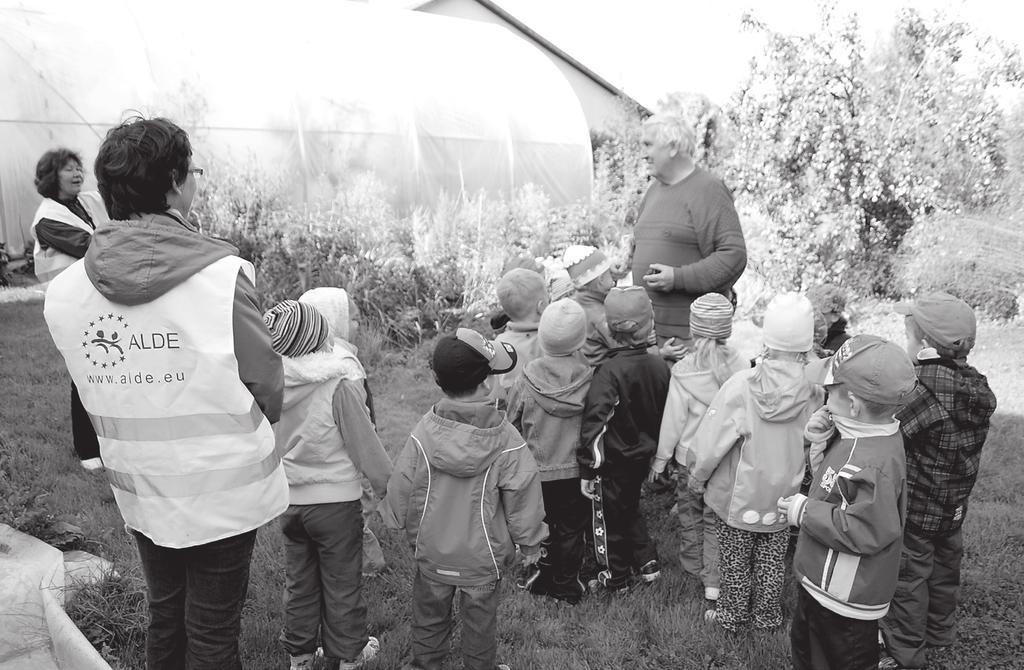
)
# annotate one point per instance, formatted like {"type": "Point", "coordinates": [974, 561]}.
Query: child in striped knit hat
{"type": "Point", "coordinates": [696, 379]}
{"type": "Point", "coordinates": [326, 432]}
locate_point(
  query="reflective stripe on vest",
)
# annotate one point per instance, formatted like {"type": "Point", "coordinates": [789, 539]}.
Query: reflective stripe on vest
{"type": "Point", "coordinates": [178, 427]}
{"type": "Point", "coordinates": [200, 483]}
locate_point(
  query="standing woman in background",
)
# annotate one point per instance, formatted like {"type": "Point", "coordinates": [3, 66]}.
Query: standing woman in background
{"type": "Point", "coordinates": [64, 223]}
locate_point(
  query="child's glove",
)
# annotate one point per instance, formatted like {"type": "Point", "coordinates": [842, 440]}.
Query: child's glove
{"type": "Point", "coordinates": [820, 427]}
{"type": "Point", "coordinates": [792, 507]}
{"type": "Point", "coordinates": [695, 486]}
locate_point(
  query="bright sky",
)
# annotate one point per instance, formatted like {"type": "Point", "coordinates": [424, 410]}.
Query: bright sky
{"type": "Point", "coordinates": [652, 47]}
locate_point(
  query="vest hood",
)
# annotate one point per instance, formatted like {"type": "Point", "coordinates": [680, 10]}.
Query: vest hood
{"type": "Point", "coordinates": [559, 384]}
{"type": "Point", "coordinates": [960, 389]}
{"type": "Point", "coordinates": [779, 390]}
{"type": "Point", "coordinates": [463, 438]}
{"type": "Point", "coordinates": [134, 262]}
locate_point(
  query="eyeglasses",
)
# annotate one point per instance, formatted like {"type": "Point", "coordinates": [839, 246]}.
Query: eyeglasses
{"type": "Point", "coordinates": [196, 171]}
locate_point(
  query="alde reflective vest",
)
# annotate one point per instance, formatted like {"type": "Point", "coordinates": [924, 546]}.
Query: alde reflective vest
{"type": "Point", "coordinates": [51, 262]}
{"type": "Point", "coordinates": [188, 453]}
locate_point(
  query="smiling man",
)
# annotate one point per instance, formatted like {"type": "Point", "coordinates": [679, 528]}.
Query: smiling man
{"type": "Point", "coordinates": [687, 240]}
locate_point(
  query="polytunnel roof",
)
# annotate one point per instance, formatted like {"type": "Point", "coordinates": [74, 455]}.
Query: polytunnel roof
{"type": "Point", "coordinates": [308, 90]}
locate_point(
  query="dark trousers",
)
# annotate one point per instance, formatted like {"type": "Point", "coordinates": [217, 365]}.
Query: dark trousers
{"type": "Point", "coordinates": [698, 534]}
{"type": "Point", "coordinates": [824, 640]}
{"type": "Point", "coordinates": [923, 609]}
{"type": "Point", "coordinates": [567, 514]}
{"type": "Point", "coordinates": [195, 602]}
{"type": "Point", "coordinates": [433, 623]}
{"type": "Point", "coordinates": [323, 548]}
{"type": "Point", "coordinates": [629, 544]}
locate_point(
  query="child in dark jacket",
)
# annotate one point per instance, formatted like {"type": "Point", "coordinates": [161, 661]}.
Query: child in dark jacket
{"type": "Point", "coordinates": [619, 438]}
{"type": "Point", "coordinates": [466, 491]}
{"type": "Point", "coordinates": [944, 427]}
{"type": "Point", "coordinates": [848, 551]}
{"type": "Point", "coordinates": [546, 406]}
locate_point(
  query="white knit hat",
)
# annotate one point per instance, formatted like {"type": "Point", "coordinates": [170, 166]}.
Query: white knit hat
{"type": "Point", "coordinates": [789, 323]}
{"type": "Point", "coordinates": [563, 328]}
{"type": "Point", "coordinates": [584, 264]}
{"type": "Point", "coordinates": [333, 304]}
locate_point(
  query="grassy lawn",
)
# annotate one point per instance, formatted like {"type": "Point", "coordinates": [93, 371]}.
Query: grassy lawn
{"type": "Point", "coordinates": [653, 627]}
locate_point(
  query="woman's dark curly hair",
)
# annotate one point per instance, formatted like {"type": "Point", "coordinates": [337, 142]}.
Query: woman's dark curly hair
{"type": "Point", "coordinates": [136, 164]}
{"type": "Point", "coordinates": [48, 168]}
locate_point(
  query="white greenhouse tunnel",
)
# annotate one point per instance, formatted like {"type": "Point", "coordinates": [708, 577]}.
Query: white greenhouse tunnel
{"type": "Point", "coordinates": [308, 91]}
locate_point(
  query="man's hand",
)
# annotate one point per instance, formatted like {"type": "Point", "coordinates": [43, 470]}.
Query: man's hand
{"type": "Point", "coordinates": [587, 488]}
{"type": "Point", "coordinates": [660, 277]}
{"type": "Point", "coordinates": [673, 349]}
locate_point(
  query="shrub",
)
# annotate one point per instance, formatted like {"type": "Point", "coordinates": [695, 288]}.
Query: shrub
{"type": "Point", "coordinates": [976, 258]}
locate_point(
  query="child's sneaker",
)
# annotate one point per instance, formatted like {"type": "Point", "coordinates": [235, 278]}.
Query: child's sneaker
{"type": "Point", "coordinates": [711, 593]}
{"type": "Point", "coordinates": [889, 663]}
{"type": "Point", "coordinates": [603, 584]}
{"type": "Point", "coordinates": [710, 616]}
{"type": "Point", "coordinates": [502, 666]}
{"type": "Point", "coordinates": [368, 652]}
{"type": "Point", "coordinates": [527, 576]}
{"type": "Point", "coordinates": [301, 662]}
{"type": "Point", "coordinates": [650, 571]}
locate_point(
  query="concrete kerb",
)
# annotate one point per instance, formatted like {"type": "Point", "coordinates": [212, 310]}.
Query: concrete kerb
{"type": "Point", "coordinates": [35, 631]}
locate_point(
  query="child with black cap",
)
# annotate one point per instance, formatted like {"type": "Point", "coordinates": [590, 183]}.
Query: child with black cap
{"type": "Point", "coordinates": [618, 439]}
{"type": "Point", "coordinates": [466, 490]}
{"type": "Point", "coordinates": [851, 521]}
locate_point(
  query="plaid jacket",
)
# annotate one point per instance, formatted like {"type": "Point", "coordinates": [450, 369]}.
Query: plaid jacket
{"type": "Point", "coordinates": [944, 428]}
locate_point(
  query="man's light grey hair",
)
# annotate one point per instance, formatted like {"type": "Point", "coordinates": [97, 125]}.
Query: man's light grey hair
{"type": "Point", "coordinates": [669, 128]}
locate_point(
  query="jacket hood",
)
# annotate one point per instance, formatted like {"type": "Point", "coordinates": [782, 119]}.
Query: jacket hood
{"type": "Point", "coordinates": [971, 402]}
{"type": "Point", "coordinates": [463, 438]}
{"type": "Point", "coordinates": [779, 390]}
{"type": "Point", "coordinates": [134, 262]}
{"type": "Point", "coordinates": [701, 384]}
{"type": "Point", "coordinates": [559, 384]}
{"type": "Point", "coordinates": [304, 374]}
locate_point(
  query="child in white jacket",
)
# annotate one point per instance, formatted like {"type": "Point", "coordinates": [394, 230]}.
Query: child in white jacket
{"type": "Point", "coordinates": [327, 437]}
{"type": "Point", "coordinates": [696, 379]}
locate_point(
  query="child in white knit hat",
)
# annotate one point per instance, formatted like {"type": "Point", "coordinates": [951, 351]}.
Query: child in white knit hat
{"type": "Point", "coordinates": [696, 379]}
{"type": "Point", "coordinates": [323, 525]}
{"type": "Point", "coordinates": [591, 275]}
{"type": "Point", "coordinates": [747, 453]}
{"type": "Point", "coordinates": [546, 406]}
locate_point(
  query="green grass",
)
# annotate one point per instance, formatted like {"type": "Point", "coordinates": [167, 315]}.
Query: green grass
{"type": "Point", "coordinates": [654, 627]}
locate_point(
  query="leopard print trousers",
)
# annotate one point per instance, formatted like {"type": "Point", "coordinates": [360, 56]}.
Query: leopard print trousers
{"type": "Point", "coordinates": [753, 569]}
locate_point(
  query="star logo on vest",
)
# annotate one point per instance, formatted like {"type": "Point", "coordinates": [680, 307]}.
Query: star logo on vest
{"type": "Point", "coordinates": [104, 341]}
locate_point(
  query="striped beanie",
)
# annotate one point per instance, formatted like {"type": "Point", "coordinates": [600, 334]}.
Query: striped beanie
{"type": "Point", "coordinates": [711, 317]}
{"type": "Point", "coordinates": [584, 264]}
{"type": "Point", "coordinates": [296, 328]}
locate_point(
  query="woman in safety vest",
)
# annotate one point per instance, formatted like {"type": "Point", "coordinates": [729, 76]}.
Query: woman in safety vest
{"type": "Point", "coordinates": [160, 331]}
{"type": "Point", "coordinates": [67, 217]}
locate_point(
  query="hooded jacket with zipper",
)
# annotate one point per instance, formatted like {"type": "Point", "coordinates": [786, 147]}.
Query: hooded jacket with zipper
{"type": "Point", "coordinates": [160, 447]}
{"type": "Point", "coordinates": [325, 429]}
{"type": "Point", "coordinates": [944, 427]}
{"type": "Point", "coordinates": [690, 391]}
{"type": "Point", "coordinates": [623, 412]}
{"type": "Point", "coordinates": [546, 406]}
{"type": "Point", "coordinates": [466, 490]}
{"type": "Point", "coordinates": [749, 446]}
